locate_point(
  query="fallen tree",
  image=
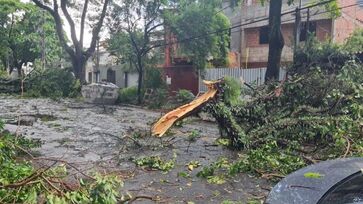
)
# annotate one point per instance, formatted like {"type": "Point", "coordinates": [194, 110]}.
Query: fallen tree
{"type": "Point", "coordinates": [315, 114]}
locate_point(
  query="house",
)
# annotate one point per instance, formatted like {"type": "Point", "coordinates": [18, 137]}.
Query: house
{"type": "Point", "coordinates": [105, 67]}
{"type": "Point", "coordinates": [250, 40]}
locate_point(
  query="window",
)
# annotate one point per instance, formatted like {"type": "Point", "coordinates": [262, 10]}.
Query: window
{"type": "Point", "coordinates": [89, 77]}
{"type": "Point", "coordinates": [97, 77]}
{"type": "Point", "coordinates": [304, 32]}
{"type": "Point", "coordinates": [264, 35]}
{"type": "Point", "coordinates": [111, 76]}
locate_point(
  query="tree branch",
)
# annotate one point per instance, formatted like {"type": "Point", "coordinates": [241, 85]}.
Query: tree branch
{"type": "Point", "coordinates": [72, 25]}
{"type": "Point", "coordinates": [154, 27]}
{"type": "Point", "coordinates": [83, 19]}
{"type": "Point", "coordinates": [147, 49]}
{"type": "Point", "coordinates": [11, 26]}
{"type": "Point", "coordinates": [58, 23]}
{"type": "Point", "coordinates": [134, 44]}
{"type": "Point", "coordinates": [97, 29]}
{"type": "Point", "coordinates": [42, 6]}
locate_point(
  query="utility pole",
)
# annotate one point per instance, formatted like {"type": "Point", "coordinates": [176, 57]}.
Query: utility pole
{"type": "Point", "coordinates": [297, 28]}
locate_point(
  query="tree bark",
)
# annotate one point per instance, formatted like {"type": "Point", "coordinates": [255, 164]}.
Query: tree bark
{"type": "Point", "coordinates": [79, 68]}
{"type": "Point", "coordinates": [140, 80]}
{"type": "Point", "coordinates": [276, 41]}
{"type": "Point", "coordinates": [83, 19]}
{"type": "Point", "coordinates": [19, 68]}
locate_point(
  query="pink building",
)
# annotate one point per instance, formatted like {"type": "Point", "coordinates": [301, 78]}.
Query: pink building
{"type": "Point", "coordinates": [251, 40]}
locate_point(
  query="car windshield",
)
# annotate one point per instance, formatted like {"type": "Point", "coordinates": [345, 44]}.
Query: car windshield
{"type": "Point", "coordinates": [347, 192]}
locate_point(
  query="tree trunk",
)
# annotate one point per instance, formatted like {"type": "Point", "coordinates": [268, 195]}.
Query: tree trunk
{"type": "Point", "coordinates": [79, 69]}
{"type": "Point", "coordinates": [139, 87]}
{"type": "Point", "coordinates": [19, 67]}
{"type": "Point", "coordinates": [276, 41]}
{"type": "Point", "coordinates": [19, 72]}
{"type": "Point", "coordinates": [140, 80]}
{"type": "Point", "coordinates": [11, 69]}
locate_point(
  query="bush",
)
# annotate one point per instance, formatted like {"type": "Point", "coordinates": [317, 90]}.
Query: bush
{"type": "Point", "coordinates": [154, 79]}
{"type": "Point", "coordinates": [158, 99]}
{"type": "Point", "coordinates": [3, 74]}
{"type": "Point", "coordinates": [184, 96]}
{"type": "Point", "coordinates": [53, 83]}
{"type": "Point", "coordinates": [128, 95]}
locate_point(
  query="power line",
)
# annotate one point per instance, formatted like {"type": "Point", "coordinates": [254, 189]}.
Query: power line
{"type": "Point", "coordinates": [185, 40]}
{"type": "Point", "coordinates": [260, 20]}
{"type": "Point", "coordinates": [240, 25]}
{"type": "Point", "coordinates": [315, 14]}
{"type": "Point", "coordinates": [327, 11]}
{"type": "Point", "coordinates": [293, 10]}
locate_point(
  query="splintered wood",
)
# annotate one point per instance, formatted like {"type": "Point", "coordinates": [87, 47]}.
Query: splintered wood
{"type": "Point", "coordinates": [169, 119]}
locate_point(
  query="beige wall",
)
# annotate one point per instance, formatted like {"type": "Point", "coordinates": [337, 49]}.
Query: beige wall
{"type": "Point", "coordinates": [108, 62]}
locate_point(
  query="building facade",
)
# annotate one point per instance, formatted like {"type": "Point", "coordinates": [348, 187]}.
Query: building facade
{"type": "Point", "coordinates": [103, 67]}
{"type": "Point", "coordinates": [250, 40]}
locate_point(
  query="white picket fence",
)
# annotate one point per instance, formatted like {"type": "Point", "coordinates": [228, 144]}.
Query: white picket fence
{"type": "Point", "coordinates": [251, 76]}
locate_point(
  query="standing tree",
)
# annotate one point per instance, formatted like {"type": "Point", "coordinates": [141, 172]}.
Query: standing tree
{"type": "Point", "coordinates": [7, 10]}
{"type": "Point", "coordinates": [137, 25]}
{"type": "Point", "coordinates": [192, 24]}
{"type": "Point", "coordinates": [78, 54]}
{"type": "Point", "coordinates": [276, 39]}
{"type": "Point", "coordinates": [21, 27]}
{"type": "Point", "coordinates": [135, 29]}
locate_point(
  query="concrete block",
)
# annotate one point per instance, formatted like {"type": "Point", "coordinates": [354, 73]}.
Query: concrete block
{"type": "Point", "coordinates": [100, 93]}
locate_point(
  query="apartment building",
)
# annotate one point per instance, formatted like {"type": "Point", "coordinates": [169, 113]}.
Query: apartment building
{"type": "Point", "coordinates": [250, 40]}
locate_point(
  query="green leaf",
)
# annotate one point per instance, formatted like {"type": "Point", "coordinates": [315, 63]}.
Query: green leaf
{"type": "Point", "coordinates": [313, 175]}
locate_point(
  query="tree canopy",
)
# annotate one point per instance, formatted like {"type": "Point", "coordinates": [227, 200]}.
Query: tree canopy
{"type": "Point", "coordinates": [135, 30]}
{"type": "Point", "coordinates": [78, 54]}
{"type": "Point", "coordinates": [138, 27]}
{"type": "Point", "coordinates": [23, 28]}
{"type": "Point", "coordinates": [192, 24]}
